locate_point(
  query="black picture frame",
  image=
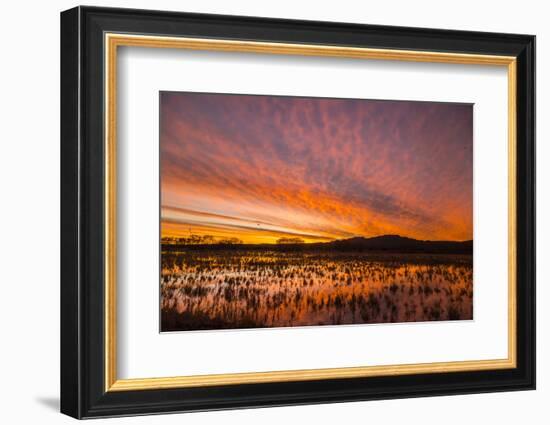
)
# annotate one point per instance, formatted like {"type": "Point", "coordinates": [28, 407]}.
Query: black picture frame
{"type": "Point", "coordinates": [83, 392]}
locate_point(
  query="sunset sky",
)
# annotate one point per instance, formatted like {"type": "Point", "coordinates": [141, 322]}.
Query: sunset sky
{"type": "Point", "coordinates": [264, 167]}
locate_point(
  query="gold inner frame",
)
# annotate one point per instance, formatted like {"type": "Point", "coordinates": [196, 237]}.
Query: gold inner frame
{"type": "Point", "coordinates": [113, 41]}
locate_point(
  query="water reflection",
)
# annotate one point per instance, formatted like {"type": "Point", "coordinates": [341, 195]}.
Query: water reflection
{"type": "Point", "coordinates": [248, 289]}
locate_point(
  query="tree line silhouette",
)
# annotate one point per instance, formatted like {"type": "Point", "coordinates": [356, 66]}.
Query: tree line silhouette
{"type": "Point", "coordinates": [211, 240]}
{"type": "Point", "coordinates": [200, 240]}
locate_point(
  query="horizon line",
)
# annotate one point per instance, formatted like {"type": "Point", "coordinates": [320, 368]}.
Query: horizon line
{"type": "Point", "coordinates": [304, 242]}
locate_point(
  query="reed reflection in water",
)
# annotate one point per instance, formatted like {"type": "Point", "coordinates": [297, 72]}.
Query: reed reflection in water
{"type": "Point", "coordinates": [219, 289]}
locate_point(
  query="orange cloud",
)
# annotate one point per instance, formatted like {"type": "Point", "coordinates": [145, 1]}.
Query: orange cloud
{"type": "Point", "coordinates": [260, 167]}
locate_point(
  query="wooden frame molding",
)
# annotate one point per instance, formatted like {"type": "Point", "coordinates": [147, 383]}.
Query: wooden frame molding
{"type": "Point", "coordinates": [91, 38]}
{"type": "Point", "coordinates": [113, 41]}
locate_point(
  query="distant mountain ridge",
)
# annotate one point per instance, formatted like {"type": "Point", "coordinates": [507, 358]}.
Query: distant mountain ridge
{"type": "Point", "coordinates": [398, 243]}
{"type": "Point", "coordinates": [385, 243]}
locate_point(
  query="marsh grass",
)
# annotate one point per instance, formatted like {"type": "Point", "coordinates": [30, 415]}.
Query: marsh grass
{"type": "Point", "coordinates": [235, 289]}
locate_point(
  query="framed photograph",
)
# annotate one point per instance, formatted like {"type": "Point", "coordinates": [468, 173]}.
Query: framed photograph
{"type": "Point", "coordinates": [261, 212]}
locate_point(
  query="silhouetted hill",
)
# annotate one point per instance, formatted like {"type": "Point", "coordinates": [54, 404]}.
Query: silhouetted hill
{"type": "Point", "coordinates": [386, 243]}
{"type": "Point", "coordinates": [396, 243]}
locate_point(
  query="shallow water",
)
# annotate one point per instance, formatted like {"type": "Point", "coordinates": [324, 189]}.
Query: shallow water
{"type": "Point", "coordinates": [247, 289]}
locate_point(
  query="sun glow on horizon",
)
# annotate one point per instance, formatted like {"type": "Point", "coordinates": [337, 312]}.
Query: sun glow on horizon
{"type": "Point", "coordinates": [262, 168]}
